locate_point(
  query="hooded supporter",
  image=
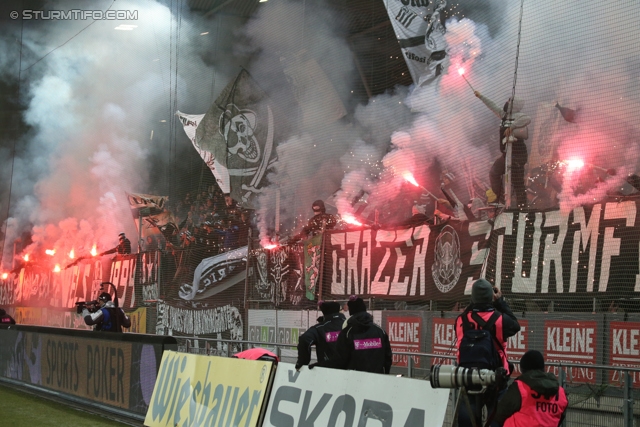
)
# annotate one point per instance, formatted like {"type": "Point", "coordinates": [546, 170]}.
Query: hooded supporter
{"type": "Point", "coordinates": [513, 130]}
{"type": "Point", "coordinates": [324, 335]}
{"type": "Point", "coordinates": [319, 222]}
{"type": "Point", "coordinates": [6, 319]}
{"type": "Point", "coordinates": [362, 345]}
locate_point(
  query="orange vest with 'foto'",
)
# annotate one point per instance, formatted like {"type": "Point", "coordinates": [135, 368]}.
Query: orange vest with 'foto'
{"type": "Point", "coordinates": [536, 410]}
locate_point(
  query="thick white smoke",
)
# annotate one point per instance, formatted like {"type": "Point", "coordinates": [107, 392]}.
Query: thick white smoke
{"type": "Point", "coordinates": [93, 103]}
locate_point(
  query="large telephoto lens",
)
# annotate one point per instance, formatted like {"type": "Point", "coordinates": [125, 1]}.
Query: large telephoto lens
{"type": "Point", "coordinates": [449, 376]}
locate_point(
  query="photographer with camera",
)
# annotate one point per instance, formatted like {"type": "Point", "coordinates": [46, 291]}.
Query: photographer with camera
{"type": "Point", "coordinates": [482, 331]}
{"type": "Point", "coordinates": [106, 316]}
{"type": "Point", "coordinates": [535, 399]}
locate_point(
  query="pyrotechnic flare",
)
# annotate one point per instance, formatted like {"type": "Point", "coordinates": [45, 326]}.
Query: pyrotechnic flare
{"type": "Point", "coordinates": [409, 177]}
{"type": "Point", "coordinates": [461, 72]}
{"type": "Point", "coordinates": [350, 219]}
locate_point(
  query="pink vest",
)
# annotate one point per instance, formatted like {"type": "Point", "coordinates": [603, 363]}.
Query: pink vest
{"type": "Point", "coordinates": [502, 350]}
{"type": "Point", "coordinates": [536, 410]}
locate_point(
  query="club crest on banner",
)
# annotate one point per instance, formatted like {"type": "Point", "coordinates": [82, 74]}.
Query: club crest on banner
{"type": "Point", "coordinates": [447, 266]}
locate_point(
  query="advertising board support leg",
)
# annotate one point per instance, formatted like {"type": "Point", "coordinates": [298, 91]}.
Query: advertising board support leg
{"type": "Point", "coordinates": [627, 409]}
{"type": "Point", "coordinates": [410, 367]}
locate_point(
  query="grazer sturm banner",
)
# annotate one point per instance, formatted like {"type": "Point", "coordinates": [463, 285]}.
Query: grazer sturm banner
{"type": "Point", "coordinates": [420, 30]}
{"type": "Point", "coordinates": [331, 397]}
{"type": "Point", "coordinates": [237, 138]}
{"type": "Point", "coordinates": [194, 390]}
{"type": "Point", "coordinates": [437, 262]}
{"type": "Point", "coordinates": [590, 251]}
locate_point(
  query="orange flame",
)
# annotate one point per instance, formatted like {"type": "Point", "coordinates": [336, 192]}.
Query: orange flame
{"type": "Point", "coordinates": [270, 246]}
{"type": "Point", "coordinates": [72, 254]}
{"type": "Point", "coordinates": [56, 269]}
{"type": "Point", "coordinates": [94, 250]}
{"type": "Point", "coordinates": [350, 219]}
{"type": "Point", "coordinates": [461, 71]}
{"type": "Point", "coordinates": [50, 252]}
{"type": "Point", "coordinates": [409, 177]}
{"type": "Point", "coordinates": [5, 275]}
{"type": "Point", "coordinates": [26, 257]}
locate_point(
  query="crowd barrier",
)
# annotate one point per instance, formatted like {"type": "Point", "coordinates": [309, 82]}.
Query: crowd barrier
{"type": "Point", "coordinates": [198, 390]}
{"type": "Point", "coordinates": [112, 372]}
{"type": "Point", "coordinates": [614, 402]}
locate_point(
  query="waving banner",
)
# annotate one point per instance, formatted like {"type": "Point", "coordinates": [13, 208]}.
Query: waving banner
{"type": "Point", "coordinates": [150, 215]}
{"type": "Point", "coordinates": [419, 27]}
{"type": "Point", "coordinates": [236, 137]}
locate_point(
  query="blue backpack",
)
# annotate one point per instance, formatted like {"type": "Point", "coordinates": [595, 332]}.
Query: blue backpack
{"type": "Point", "coordinates": [478, 346]}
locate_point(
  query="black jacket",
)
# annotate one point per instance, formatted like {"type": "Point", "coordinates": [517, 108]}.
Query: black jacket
{"type": "Point", "coordinates": [544, 383]}
{"type": "Point", "coordinates": [317, 335]}
{"type": "Point", "coordinates": [362, 346]}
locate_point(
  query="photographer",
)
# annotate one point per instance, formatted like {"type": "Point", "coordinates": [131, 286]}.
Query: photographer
{"type": "Point", "coordinates": [482, 331]}
{"type": "Point", "coordinates": [534, 399]}
{"type": "Point", "coordinates": [108, 317]}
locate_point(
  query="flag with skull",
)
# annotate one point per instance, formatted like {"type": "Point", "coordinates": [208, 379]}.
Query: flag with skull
{"type": "Point", "coordinates": [237, 135]}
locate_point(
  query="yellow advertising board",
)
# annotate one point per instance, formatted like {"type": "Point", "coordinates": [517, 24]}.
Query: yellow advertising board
{"type": "Point", "coordinates": [196, 390]}
{"type": "Point", "coordinates": [138, 321]}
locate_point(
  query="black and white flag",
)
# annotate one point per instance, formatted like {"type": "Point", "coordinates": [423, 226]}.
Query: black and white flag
{"type": "Point", "coordinates": [237, 137]}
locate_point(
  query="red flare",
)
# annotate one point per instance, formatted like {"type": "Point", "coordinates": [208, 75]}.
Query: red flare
{"type": "Point", "coordinates": [350, 219]}
{"type": "Point", "coordinates": [409, 177]}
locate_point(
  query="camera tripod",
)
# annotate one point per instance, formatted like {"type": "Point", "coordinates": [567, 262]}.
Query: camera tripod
{"type": "Point", "coordinates": [488, 400]}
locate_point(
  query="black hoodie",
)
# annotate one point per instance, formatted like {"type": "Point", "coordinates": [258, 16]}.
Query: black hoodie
{"type": "Point", "coordinates": [317, 334]}
{"type": "Point", "coordinates": [541, 382]}
{"type": "Point", "coordinates": [362, 346]}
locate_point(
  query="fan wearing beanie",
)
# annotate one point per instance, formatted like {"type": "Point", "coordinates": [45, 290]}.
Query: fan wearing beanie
{"type": "Point", "coordinates": [533, 399]}
{"type": "Point", "coordinates": [324, 335]}
{"type": "Point", "coordinates": [488, 311]}
{"type": "Point", "coordinates": [362, 345]}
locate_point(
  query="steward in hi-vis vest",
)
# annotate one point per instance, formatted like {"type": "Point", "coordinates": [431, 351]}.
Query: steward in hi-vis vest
{"type": "Point", "coordinates": [534, 399]}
